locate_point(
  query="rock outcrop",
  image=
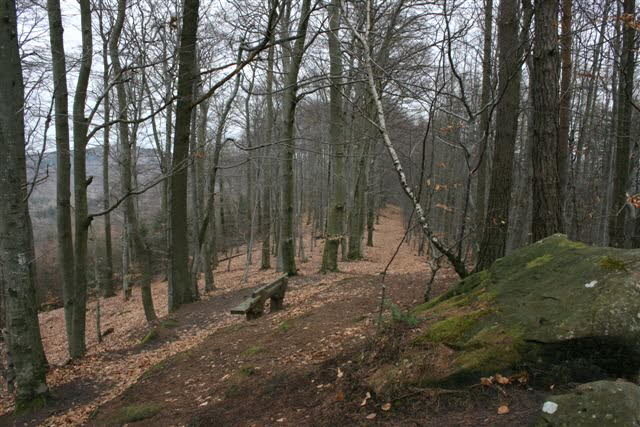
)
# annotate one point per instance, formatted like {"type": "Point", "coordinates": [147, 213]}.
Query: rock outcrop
{"type": "Point", "coordinates": [565, 309]}
{"type": "Point", "coordinates": [596, 404]}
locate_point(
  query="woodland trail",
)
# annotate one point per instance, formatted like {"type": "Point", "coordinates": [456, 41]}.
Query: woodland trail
{"type": "Point", "coordinates": [332, 312]}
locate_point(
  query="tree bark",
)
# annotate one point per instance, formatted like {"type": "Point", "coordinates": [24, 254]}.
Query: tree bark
{"type": "Point", "coordinates": [566, 41]}
{"type": "Point", "coordinates": [289, 103]}
{"type": "Point", "coordinates": [179, 291]}
{"type": "Point", "coordinates": [107, 269]}
{"type": "Point", "coordinates": [17, 259]}
{"type": "Point", "coordinates": [547, 216]}
{"type": "Point", "coordinates": [265, 262]}
{"type": "Point", "coordinates": [485, 98]}
{"type": "Point", "coordinates": [335, 218]}
{"type": "Point", "coordinates": [494, 237]}
{"type": "Point", "coordinates": [140, 255]}
{"type": "Point", "coordinates": [63, 164]}
{"type": "Point", "coordinates": [81, 125]}
{"type": "Point", "coordinates": [618, 213]}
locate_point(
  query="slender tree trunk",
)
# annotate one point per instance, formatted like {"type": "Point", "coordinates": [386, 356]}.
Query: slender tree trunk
{"type": "Point", "coordinates": [494, 237]}
{"type": "Point", "coordinates": [141, 255]}
{"type": "Point", "coordinates": [547, 215]}
{"type": "Point", "coordinates": [289, 102]}
{"type": "Point", "coordinates": [17, 259]}
{"type": "Point", "coordinates": [335, 220]}
{"type": "Point", "coordinates": [358, 211]}
{"type": "Point", "coordinates": [623, 135]}
{"type": "Point", "coordinates": [179, 292]}
{"type": "Point", "coordinates": [566, 42]}
{"type": "Point", "coordinates": [107, 269]}
{"type": "Point", "coordinates": [78, 346]}
{"type": "Point", "coordinates": [267, 165]}
{"type": "Point", "coordinates": [458, 265]}
{"type": "Point", "coordinates": [196, 264]}
{"type": "Point", "coordinates": [63, 166]}
{"type": "Point", "coordinates": [484, 119]}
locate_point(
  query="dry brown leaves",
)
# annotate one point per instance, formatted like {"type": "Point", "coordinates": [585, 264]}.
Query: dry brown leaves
{"type": "Point", "coordinates": [116, 360]}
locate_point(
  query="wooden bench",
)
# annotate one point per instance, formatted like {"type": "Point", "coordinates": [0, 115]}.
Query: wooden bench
{"type": "Point", "coordinates": [253, 307]}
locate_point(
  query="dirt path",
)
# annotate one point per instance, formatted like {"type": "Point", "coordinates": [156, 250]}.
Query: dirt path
{"type": "Point", "coordinates": [112, 366]}
{"type": "Point", "coordinates": [272, 370]}
{"type": "Point", "coordinates": [304, 367]}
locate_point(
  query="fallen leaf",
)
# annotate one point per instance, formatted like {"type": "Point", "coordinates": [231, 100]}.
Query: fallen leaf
{"type": "Point", "coordinates": [486, 381]}
{"type": "Point", "coordinates": [504, 409]}
{"type": "Point", "coordinates": [340, 396]}
{"type": "Point", "coordinates": [366, 398]}
{"type": "Point", "coordinates": [340, 373]}
{"type": "Point", "coordinates": [371, 416]}
{"type": "Point", "coordinates": [386, 406]}
{"type": "Point", "coordinates": [502, 380]}
{"type": "Point", "coordinates": [280, 420]}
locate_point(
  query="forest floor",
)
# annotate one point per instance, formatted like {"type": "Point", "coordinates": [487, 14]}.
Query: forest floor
{"type": "Point", "coordinates": [305, 365]}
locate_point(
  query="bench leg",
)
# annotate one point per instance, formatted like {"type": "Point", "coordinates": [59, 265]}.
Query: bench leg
{"type": "Point", "coordinates": [255, 312]}
{"type": "Point", "coordinates": [277, 302]}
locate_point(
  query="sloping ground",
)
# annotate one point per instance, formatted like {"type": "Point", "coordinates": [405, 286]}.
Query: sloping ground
{"type": "Point", "coordinates": [307, 369]}
{"type": "Point", "coordinates": [120, 360]}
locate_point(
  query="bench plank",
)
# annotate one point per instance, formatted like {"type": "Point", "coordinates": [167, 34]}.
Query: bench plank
{"type": "Point", "coordinates": [244, 306]}
{"type": "Point", "coordinates": [253, 306]}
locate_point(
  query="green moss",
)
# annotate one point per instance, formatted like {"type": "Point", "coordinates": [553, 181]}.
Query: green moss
{"type": "Point", "coordinates": [452, 329]}
{"type": "Point", "coordinates": [26, 406]}
{"type": "Point", "coordinates": [252, 351]}
{"type": "Point", "coordinates": [407, 318]}
{"type": "Point", "coordinates": [429, 304]}
{"type": "Point", "coordinates": [464, 294]}
{"type": "Point", "coordinates": [152, 335]}
{"type": "Point", "coordinates": [612, 264]}
{"type": "Point", "coordinates": [495, 335]}
{"type": "Point", "coordinates": [139, 412]}
{"type": "Point", "coordinates": [285, 326]}
{"type": "Point", "coordinates": [158, 367]}
{"type": "Point", "coordinates": [247, 371]}
{"type": "Point", "coordinates": [169, 323]}
{"type": "Point", "coordinates": [566, 243]}
{"type": "Point", "coordinates": [540, 261]}
{"type": "Point", "coordinates": [488, 359]}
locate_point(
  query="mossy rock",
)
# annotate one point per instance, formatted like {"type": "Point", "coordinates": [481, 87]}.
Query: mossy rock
{"type": "Point", "coordinates": [548, 303]}
{"type": "Point", "coordinates": [138, 412]}
{"type": "Point", "coordinates": [596, 404]}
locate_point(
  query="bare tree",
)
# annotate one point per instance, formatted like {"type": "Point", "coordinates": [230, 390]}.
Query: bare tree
{"type": "Point", "coordinates": [17, 258]}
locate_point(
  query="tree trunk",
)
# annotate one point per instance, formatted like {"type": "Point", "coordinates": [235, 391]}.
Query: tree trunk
{"type": "Point", "coordinates": [289, 102]}
{"type": "Point", "coordinates": [17, 259]}
{"type": "Point", "coordinates": [566, 41]}
{"type": "Point", "coordinates": [494, 237]}
{"type": "Point", "coordinates": [107, 269]}
{"type": "Point", "coordinates": [335, 220]}
{"type": "Point", "coordinates": [547, 216]}
{"type": "Point", "coordinates": [77, 346]}
{"type": "Point", "coordinates": [179, 292]}
{"type": "Point", "coordinates": [485, 97]}
{"type": "Point", "coordinates": [265, 262]}
{"type": "Point", "coordinates": [63, 164]}
{"type": "Point", "coordinates": [618, 213]}
{"type": "Point", "coordinates": [140, 252]}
